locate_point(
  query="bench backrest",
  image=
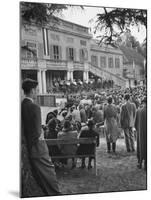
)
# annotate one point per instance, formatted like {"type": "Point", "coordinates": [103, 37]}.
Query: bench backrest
{"type": "Point", "coordinates": [52, 142]}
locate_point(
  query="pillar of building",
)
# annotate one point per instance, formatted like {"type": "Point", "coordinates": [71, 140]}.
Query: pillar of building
{"type": "Point", "coordinates": [68, 75]}
{"type": "Point", "coordinates": [39, 78]}
{"type": "Point", "coordinates": [44, 81]}
{"type": "Point", "coordinates": [87, 76]}
{"type": "Point", "coordinates": [86, 72]}
{"type": "Point", "coordinates": [71, 75]}
{"type": "Point", "coordinates": [84, 76]}
{"type": "Point", "coordinates": [70, 71]}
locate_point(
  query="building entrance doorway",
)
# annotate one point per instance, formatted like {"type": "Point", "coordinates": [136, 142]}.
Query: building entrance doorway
{"type": "Point", "coordinates": [78, 75]}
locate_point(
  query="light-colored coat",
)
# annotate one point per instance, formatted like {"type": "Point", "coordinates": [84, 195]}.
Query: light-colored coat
{"type": "Point", "coordinates": [111, 123]}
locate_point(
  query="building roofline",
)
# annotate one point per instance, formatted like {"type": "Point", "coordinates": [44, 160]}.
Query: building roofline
{"type": "Point", "coordinates": [73, 23]}
{"type": "Point", "coordinates": [47, 24]}
{"type": "Point", "coordinates": [88, 36]}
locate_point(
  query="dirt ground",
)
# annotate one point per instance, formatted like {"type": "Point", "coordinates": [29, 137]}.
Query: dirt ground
{"type": "Point", "coordinates": [115, 173]}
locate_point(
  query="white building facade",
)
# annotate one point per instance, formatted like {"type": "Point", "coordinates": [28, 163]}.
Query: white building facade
{"type": "Point", "coordinates": [67, 51]}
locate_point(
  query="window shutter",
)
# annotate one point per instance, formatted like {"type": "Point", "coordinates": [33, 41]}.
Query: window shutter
{"type": "Point", "coordinates": [67, 53]}
{"type": "Point", "coordinates": [60, 53]}
{"type": "Point", "coordinates": [80, 54]}
{"type": "Point", "coordinates": [40, 50]}
{"type": "Point", "coordinates": [74, 54]}
{"type": "Point", "coordinates": [96, 61]}
{"type": "Point", "coordinates": [85, 54]}
{"type": "Point", "coordinates": [51, 52]}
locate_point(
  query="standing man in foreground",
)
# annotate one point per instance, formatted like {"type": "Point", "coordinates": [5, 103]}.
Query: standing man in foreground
{"type": "Point", "coordinates": [42, 167]}
{"type": "Point", "coordinates": [128, 115]}
{"type": "Point", "coordinates": [141, 127]}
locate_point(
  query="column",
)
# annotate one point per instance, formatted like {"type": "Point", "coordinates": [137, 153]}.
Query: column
{"type": "Point", "coordinates": [44, 81]}
{"type": "Point", "coordinates": [68, 75]}
{"type": "Point", "coordinates": [86, 72]}
{"type": "Point", "coordinates": [87, 76]}
{"type": "Point", "coordinates": [39, 81]}
{"type": "Point", "coordinates": [70, 71]}
{"type": "Point", "coordinates": [71, 75]}
{"type": "Point", "coordinates": [84, 76]}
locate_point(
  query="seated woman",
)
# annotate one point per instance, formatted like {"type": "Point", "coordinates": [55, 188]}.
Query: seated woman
{"type": "Point", "coordinates": [85, 149]}
{"type": "Point", "coordinates": [67, 134]}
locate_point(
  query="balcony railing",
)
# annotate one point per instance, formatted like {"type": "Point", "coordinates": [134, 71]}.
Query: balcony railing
{"type": "Point", "coordinates": [27, 63]}
{"type": "Point", "coordinates": [78, 65]}
{"type": "Point", "coordinates": [56, 64]}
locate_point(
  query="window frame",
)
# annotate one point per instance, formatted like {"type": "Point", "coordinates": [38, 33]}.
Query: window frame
{"type": "Point", "coordinates": [110, 66]}
{"type": "Point", "coordinates": [83, 57]}
{"type": "Point", "coordinates": [29, 54]}
{"type": "Point", "coordinates": [56, 53]}
{"type": "Point", "coordinates": [117, 59]}
{"type": "Point", "coordinates": [96, 61]}
{"type": "Point", "coordinates": [71, 53]}
{"type": "Point", "coordinates": [105, 63]}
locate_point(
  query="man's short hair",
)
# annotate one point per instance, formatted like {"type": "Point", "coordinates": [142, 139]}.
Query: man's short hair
{"type": "Point", "coordinates": [127, 97]}
{"type": "Point", "coordinates": [90, 123]}
{"type": "Point", "coordinates": [67, 124]}
{"type": "Point", "coordinates": [28, 84]}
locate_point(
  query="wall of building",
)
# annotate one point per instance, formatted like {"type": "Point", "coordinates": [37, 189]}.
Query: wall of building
{"type": "Point", "coordinates": [108, 53]}
{"type": "Point", "coordinates": [67, 40]}
{"type": "Point", "coordinates": [73, 36]}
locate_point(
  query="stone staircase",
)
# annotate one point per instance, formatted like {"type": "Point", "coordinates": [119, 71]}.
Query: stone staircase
{"type": "Point", "coordinates": [119, 81]}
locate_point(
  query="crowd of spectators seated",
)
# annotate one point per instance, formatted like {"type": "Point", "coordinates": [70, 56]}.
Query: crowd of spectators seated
{"type": "Point", "coordinates": [79, 110]}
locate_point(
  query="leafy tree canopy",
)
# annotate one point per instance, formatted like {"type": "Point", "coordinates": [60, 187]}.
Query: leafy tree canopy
{"type": "Point", "coordinates": [112, 22]}
{"type": "Point", "coordinates": [41, 12]}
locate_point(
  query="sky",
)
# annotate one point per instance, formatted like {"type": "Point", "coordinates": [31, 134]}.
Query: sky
{"type": "Point", "coordinates": [82, 17]}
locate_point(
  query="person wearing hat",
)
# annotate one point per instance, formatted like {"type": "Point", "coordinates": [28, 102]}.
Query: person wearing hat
{"type": "Point", "coordinates": [42, 167]}
{"type": "Point", "coordinates": [84, 149]}
{"type": "Point", "coordinates": [141, 128]}
{"type": "Point", "coordinates": [127, 121]}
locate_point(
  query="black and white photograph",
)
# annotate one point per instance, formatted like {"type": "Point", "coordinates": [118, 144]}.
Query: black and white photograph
{"type": "Point", "coordinates": [83, 99]}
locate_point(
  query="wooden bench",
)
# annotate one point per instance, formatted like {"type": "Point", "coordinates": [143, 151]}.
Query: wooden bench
{"type": "Point", "coordinates": [52, 142]}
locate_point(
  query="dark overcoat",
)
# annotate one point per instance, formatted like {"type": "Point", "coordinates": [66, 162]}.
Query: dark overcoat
{"type": "Point", "coordinates": [141, 127]}
{"type": "Point", "coordinates": [38, 151]}
{"type": "Point", "coordinates": [85, 149]}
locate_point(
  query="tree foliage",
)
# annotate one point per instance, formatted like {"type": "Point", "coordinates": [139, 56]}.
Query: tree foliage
{"type": "Point", "coordinates": [112, 22]}
{"type": "Point", "coordinates": [40, 12]}
{"type": "Point", "coordinates": [130, 41]}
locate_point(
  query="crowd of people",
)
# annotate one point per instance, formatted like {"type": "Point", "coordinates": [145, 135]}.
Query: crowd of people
{"type": "Point", "coordinates": [69, 86]}
{"type": "Point", "coordinates": [116, 110]}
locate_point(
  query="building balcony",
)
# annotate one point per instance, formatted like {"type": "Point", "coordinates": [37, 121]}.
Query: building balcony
{"type": "Point", "coordinates": [51, 64]}
{"type": "Point", "coordinates": [29, 63]}
{"type": "Point", "coordinates": [78, 66]}
{"type": "Point", "coordinates": [56, 65]}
